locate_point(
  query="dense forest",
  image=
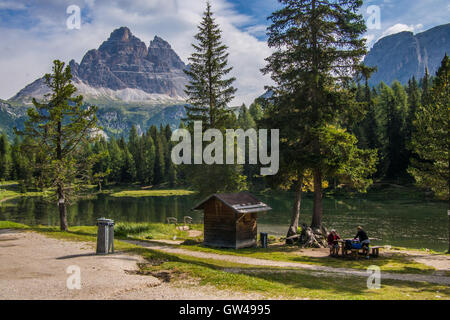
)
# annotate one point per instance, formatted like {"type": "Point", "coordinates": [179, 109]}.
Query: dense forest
{"type": "Point", "coordinates": [387, 126]}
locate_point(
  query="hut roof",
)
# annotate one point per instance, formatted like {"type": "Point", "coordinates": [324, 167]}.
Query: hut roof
{"type": "Point", "coordinates": [242, 202]}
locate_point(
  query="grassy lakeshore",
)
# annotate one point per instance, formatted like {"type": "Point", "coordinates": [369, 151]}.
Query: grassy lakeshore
{"type": "Point", "coordinates": [151, 193]}
{"type": "Point", "coordinates": [270, 282]}
{"type": "Point", "coordinates": [11, 189]}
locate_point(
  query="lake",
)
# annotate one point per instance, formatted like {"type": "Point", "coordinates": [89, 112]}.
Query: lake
{"type": "Point", "coordinates": [398, 221]}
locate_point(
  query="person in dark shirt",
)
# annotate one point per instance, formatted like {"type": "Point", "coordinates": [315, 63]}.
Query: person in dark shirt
{"type": "Point", "coordinates": [363, 240]}
{"type": "Point", "coordinates": [333, 243]}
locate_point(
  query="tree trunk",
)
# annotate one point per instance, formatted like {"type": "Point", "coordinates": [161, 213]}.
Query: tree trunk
{"type": "Point", "coordinates": [317, 208]}
{"type": "Point", "coordinates": [62, 209]}
{"type": "Point", "coordinates": [296, 208]}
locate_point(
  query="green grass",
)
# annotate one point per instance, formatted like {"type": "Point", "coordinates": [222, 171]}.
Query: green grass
{"type": "Point", "coordinates": [266, 282]}
{"type": "Point", "coordinates": [303, 285]}
{"type": "Point", "coordinates": [149, 231]}
{"type": "Point", "coordinates": [10, 190]}
{"type": "Point", "coordinates": [151, 193]}
{"type": "Point", "coordinates": [12, 225]}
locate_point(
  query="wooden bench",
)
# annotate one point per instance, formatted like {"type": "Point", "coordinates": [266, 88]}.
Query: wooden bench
{"type": "Point", "coordinates": [172, 220]}
{"type": "Point", "coordinates": [354, 253]}
{"type": "Point", "coordinates": [376, 250]}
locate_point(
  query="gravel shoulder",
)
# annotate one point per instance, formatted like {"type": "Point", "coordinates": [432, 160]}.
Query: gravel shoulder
{"type": "Point", "coordinates": [33, 266]}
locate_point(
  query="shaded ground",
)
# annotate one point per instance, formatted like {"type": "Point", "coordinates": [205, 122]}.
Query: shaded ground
{"type": "Point", "coordinates": [33, 266]}
{"type": "Point", "coordinates": [440, 262]}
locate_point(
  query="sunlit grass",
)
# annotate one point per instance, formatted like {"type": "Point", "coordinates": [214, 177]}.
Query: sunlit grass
{"type": "Point", "coordinates": [151, 193]}
{"type": "Point", "coordinates": [149, 231]}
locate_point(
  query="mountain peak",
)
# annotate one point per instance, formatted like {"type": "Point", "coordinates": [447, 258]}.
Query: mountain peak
{"type": "Point", "coordinates": [121, 34]}
{"type": "Point", "coordinates": [159, 42]}
{"type": "Point", "coordinates": [124, 69]}
{"type": "Point", "coordinates": [405, 54]}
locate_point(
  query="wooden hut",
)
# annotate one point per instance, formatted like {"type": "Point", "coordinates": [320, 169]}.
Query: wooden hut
{"type": "Point", "coordinates": [230, 219]}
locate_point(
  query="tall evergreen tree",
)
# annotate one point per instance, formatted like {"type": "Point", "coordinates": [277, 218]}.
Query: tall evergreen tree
{"type": "Point", "coordinates": [425, 83]}
{"type": "Point", "coordinates": [431, 138]}
{"type": "Point", "coordinates": [256, 111]}
{"type": "Point", "coordinates": [5, 157]}
{"type": "Point", "coordinates": [159, 160]}
{"type": "Point", "coordinates": [58, 129]}
{"type": "Point", "coordinates": [318, 48]}
{"type": "Point", "coordinates": [209, 90]}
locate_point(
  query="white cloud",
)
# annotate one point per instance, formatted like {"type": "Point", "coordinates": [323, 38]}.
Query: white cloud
{"type": "Point", "coordinates": [27, 54]}
{"type": "Point", "coordinates": [399, 27]}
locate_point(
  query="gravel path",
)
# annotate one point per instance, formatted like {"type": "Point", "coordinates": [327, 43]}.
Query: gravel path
{"type": "Point", "coordinates": [443, 280]}
{"type": "Point", "coordinates": [33, 266]}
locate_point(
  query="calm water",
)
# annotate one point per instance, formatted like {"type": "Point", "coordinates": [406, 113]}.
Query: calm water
{"type": "Point", "coordinates": [408, 223]}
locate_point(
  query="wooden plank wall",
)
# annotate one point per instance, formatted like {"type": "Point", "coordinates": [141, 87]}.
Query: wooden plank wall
{"type": "Point", "coordinates": [219, 225]}
{"type": "Point", "coordinates": [246, 231]}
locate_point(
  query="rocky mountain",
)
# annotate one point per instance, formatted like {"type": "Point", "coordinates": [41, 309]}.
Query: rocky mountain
{"type": "Point", "coordinates": [11, 116]}
{"type": "Point", "coordinates": [129, 82]}
{"type": "Point", "coordinates": [123, 69]}
{"type": "Point", "coordinates": [402, 55]}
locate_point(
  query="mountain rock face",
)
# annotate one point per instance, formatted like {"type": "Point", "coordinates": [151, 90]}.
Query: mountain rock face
{"type": "Point", "coordinates": [403, 55]}
{"type": "Point", "coordinates": [124, 69]}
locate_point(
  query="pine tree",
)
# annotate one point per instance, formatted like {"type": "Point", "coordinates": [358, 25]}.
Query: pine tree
{"type": "Point", "coordinates": [256, 111]}
{"type": "Point", "coordinates": [159, 161]}
{"type": "Point", "coordinates": [209, 90]}
{"type": "Point", "coordinates": [5, 157]}
{"type": "Point", "coordinates": [245, 119]}
{"type": "Point", "coordinates": [392, 102]}
{"type": "Point", "coordinates": [148, 146]}
{"type": "Point", "coordinates": [431, 140]}
{"type": "Point", "coordinates": [425, 83]}
{"type": "Point", "coordinates": [318, 49]}
{"type": "Point", "coordinates": [117, 159]}
{"type": "Point", "coordinates": [58, 129]}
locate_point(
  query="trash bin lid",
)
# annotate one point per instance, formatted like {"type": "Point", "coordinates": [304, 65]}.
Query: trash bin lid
{"type": "Point", "coordinates": [105, 221]}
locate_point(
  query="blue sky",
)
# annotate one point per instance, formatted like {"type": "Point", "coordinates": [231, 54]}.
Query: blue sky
{"type": "Point", "coordinates": [34, 32]}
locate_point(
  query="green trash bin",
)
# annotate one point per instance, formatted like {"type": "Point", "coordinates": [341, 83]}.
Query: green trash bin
{"type": "Point", "coordinates": [105, 236]}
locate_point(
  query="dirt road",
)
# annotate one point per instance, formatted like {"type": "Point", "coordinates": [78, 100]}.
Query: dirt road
{"type": "Point", "coordinates": [33, 266]}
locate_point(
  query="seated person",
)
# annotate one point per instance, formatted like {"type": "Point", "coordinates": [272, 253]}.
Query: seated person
{"type": "Point", "coordinates": [333, 244]}
{"type": "Point", "coordinates": [363, 240]}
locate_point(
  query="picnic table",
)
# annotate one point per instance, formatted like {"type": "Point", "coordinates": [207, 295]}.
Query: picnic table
{"type": "Point", "coordinates": [354, 252]}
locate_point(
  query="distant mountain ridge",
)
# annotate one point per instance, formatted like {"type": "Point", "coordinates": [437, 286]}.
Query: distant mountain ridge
{"type": "Point", "coordinates": [123, 69]}
{"type": "Point", "coordinates": [132, 84]}
{"type": "Point", "coordinates": [404, 55]}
